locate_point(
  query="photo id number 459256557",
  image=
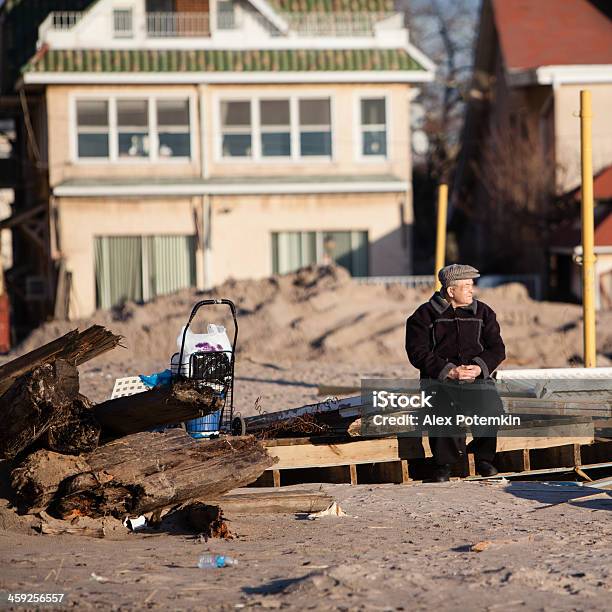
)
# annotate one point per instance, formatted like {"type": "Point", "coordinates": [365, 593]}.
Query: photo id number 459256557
{"type": "Point", "coordinates": [34, 598]}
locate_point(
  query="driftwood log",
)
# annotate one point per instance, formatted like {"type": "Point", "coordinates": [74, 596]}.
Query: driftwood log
{"type": "Point", "coordinates": [78, 432]}
{"type": "Point", "coordinates": [147, 471]}
{"type": "Point", "coordinates": [198, 517]}
{"type": "Point", "coordinates": [131, 414]}
{"type": "Point", "coordinates": [81, 526]}
{"type": "Point", "coordinates": [74, 347]}
{"type": "Point", "coordinates": [36, 479]}
{"type": "Point", "coordinates": [34, 402]}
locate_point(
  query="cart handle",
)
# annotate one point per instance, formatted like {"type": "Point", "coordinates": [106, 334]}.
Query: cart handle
{"type": "Point", "coordinates": [195, 309]}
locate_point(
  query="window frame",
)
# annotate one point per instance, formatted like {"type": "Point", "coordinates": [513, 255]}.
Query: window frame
{"type": "Point", "coordinates": [267, 129]}
{"type": "Point", "coordinates": [75, 138]}
{"type": "Point", "coordinates": [113, 130]}
{"type": "Point", "coordinates": [134, 129]}
{"type": "Point", "coordinates": [358, 128]}
{"type": "Point", "coordinates": [299, 128]}
{"type": "Point", "coordinates": [124, 33]}
{"type": "Point", "coordinates": [174, 129]}
{"type": "Point", "coordinates": [319, 244]}
{"type": "Point", "coordinates": [294, 126]}
{"type": "Point", "coordinates": [220, 130]}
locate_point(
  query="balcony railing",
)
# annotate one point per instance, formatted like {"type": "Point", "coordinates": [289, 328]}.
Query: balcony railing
{"type": "Point", "coordinates": [169, 25]}
{"type": "Point", "coordinates": [65, 20]}
{"type": "Point", "coordinates": [173, 24]}
{"type": "Point", "coordinates": [335, 24]}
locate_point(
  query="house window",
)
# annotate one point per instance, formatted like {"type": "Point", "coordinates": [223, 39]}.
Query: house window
{"type": "Point", "coordinates": [122, 23]}
{"type": "Point", "coordinates": [139, 268]}
{"type": "Point", "coordinates": [133, 128]}
{"type": "Point", "coordinates": [275, 128]}
{"type": "Point", "coordinates": [173, 128]}
{"type": "Point", "coordinates": [92, 128]}
{"type": "Point", "coordinates": [226, 19]}
{"type": "Point", "coordinates": [373, 127]}
{"type": "Point", "coordinates": [236, 129]}
{"type": "Point", "coordinates": [294, 250]}
{"type": "Point", "coordinates": [315, 127]}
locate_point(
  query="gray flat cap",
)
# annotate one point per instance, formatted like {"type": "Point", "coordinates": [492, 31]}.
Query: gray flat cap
{"type": "Point", "coordinates": [455, 272]}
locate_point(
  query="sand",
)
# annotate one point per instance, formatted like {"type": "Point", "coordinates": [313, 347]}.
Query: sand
{"type": "Point", "coordinates": [403, 547]}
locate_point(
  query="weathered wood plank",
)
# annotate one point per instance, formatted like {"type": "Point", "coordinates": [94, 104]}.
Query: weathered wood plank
{"type": "Point", "coordinates": [272, 501]}
{"type": "Point", "coordinates": [303, 453]}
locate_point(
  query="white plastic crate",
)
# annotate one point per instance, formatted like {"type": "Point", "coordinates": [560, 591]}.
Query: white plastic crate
{"type": "Point", "coordinates": [130, 385]}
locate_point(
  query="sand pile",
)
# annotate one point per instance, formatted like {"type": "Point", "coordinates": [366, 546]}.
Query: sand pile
{"type": "Point", "coordinates": [320, 313]}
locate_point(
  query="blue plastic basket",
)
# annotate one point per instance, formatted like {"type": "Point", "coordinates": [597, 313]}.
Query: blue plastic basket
{"type": "Point", "coordinates": [205, 426]}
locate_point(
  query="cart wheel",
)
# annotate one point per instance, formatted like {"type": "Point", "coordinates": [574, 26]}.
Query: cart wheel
{"type": "Point", "coordinates": [238, 426]}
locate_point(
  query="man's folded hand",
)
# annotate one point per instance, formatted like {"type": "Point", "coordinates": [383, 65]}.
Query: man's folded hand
{"type": "Point", "coordinates": [465, 372]}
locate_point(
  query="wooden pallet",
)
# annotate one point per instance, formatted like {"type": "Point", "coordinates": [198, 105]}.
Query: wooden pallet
{"type": "Point", "coordinates": [405, 459]}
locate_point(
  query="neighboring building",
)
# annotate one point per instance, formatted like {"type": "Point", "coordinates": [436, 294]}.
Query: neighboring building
{"type": "Point", "coordinates": [566, 248]}
{"type": "Point", "coordinates": [186, 142]}
{"type": "Point", "coordinates": [521, 140]}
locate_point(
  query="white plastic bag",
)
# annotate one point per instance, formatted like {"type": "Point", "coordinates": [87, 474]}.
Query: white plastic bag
{"type": "Point", "coordinates": [215, 340]}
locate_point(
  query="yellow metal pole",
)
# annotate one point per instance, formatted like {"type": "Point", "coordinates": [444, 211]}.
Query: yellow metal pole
{"type": "Point", "coordinates": [441, 231]}
{"type": "Point", "coordinates": [588, 257]}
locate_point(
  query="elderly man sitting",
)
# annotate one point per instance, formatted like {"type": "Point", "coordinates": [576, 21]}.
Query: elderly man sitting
{"type": "Point", "coordinates": [455, 339]}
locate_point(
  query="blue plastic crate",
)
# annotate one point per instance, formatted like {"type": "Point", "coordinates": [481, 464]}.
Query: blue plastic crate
{"type": "Point", "coordinates": [204, 427]}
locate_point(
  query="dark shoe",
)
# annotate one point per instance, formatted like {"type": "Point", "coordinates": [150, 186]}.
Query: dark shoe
{"type": "Point", "coordinates": [485, 468]}
{"type": "Point", "coordinates": [442, 473]}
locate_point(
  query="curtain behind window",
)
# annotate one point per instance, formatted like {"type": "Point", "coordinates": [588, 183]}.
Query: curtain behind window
{"type": "Point", "coordinates": [118, 270]}
{"type": "Point", "coordinates": [171, 263]}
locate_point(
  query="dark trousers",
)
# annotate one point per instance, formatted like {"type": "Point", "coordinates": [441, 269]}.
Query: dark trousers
{"type": "Point", "coordinates": [480, 398]}
{"type": "Point", "coordinates": [451, 449]}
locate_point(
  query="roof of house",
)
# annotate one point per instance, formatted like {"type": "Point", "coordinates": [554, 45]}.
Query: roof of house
{"type": "Point", "coordinates": [602, 185]}
{"type": "Point", "coordinates": [569, 235]}
{"type": "Point", "coordinates": [218, 60]}
{"type": "Point", "coordinates": [537, 33]}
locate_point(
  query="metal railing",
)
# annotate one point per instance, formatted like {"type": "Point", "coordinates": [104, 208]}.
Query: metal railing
{"type": "Point", "coordinates": [335, 24]}
{"type": "Point", "coordinates": [168, 25]}
{"type": "Point", "coordinates": [414, 281]}
{"type": "Point", "coordinates": [532, 282]}
{"type": "Point", "coordinates": [64, 20]}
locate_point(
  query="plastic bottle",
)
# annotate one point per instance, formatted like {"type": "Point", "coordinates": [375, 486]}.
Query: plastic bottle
{"type": "Point", "coordinates": [208, 561]}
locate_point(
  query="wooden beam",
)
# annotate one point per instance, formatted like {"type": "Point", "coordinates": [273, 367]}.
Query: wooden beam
{"type": "Point", "coordinates": [272, 500]}
{"type": "Point", "coordinates": [19, 218]}
{"type": "Point", "coordinates": [526, 460]}
{"type": "Point", "coordinates": [327, 455]}
{"type": "Point", "coordinates": [405, 473]}
{"type": "Point", "coordinates": [33, 236]}
{"type": "Point", "coordinates": [303, 453]}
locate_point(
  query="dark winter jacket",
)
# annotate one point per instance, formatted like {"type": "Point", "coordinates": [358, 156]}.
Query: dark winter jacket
{"type": "Point", "coordinates": [440, 337]}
